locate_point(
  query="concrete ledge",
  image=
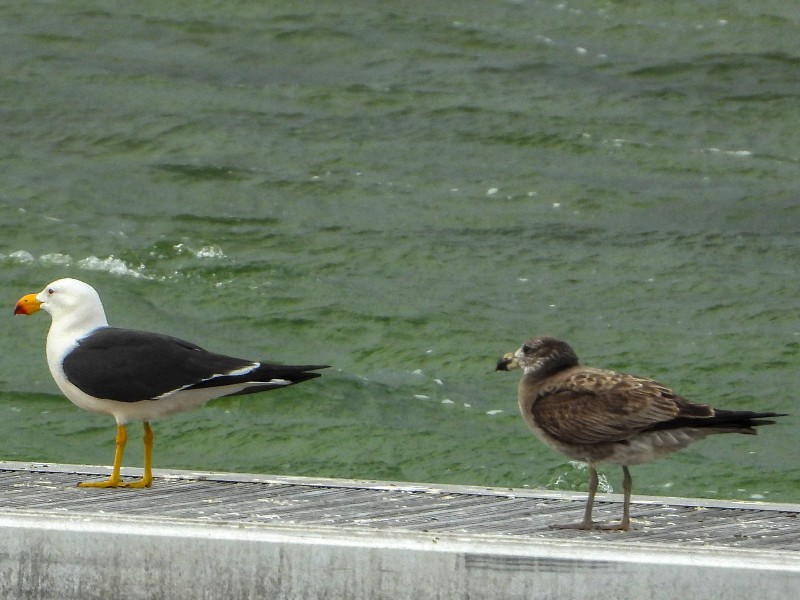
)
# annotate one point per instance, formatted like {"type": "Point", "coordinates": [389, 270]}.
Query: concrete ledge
{"type": "Point", "coordinates": [104, 552]}
{"type": "Point", "coordinates": [66, 557]}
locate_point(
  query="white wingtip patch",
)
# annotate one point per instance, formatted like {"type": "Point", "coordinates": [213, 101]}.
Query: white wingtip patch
{"type": "Point", "coordinates": [236, 372]}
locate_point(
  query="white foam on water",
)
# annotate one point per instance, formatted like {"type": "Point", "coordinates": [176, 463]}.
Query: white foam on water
{"type": "Point", "coordinates": [209, 251]}
{"type": "Point", "coordinates": [743, 153]}
{"type": "Point", "coordinates": [21, 256]}
{"type": "Point", "coordinates": [112, 265]}
{"type": "Point", "coordinates": [55, 258]}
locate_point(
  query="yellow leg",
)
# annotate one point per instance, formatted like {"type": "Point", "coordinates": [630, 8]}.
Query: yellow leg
{"type": "Point", "coordinates": [147, 477]}
{"type": "Point", "coordinates": [115, 480]}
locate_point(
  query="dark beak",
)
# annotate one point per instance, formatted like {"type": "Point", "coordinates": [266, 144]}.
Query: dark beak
{"type": "Point", "coordinates": [504, 362]}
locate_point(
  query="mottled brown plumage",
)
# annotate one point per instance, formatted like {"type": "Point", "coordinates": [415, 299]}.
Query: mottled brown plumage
{"type": "Point", "coordinates": [600, 416]}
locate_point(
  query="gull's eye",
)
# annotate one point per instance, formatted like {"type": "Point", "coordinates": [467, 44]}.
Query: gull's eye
{"type": "Point", "coordinates": [51, 291]}
{"type": "Point", "coordinates": [526, 349]}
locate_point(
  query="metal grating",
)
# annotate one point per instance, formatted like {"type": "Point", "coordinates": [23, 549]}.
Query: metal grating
{"type": "Point", "coordinates": [395, 507]}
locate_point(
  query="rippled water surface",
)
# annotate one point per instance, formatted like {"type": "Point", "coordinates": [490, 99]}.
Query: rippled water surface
{"type": "Point", "coordinates": [406, 190]}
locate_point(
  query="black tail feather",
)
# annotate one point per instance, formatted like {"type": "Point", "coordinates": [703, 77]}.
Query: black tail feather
{"type": "Point", "coordinates": [293, 373]}
{"type": "Point", "coordinates": [741, 421]}
{"type": "Point", "coordinates": [266, 377]}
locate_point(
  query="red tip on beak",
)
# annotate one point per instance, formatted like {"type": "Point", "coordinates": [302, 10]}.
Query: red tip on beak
{"type": "Point", "coordinates": [27, 305]}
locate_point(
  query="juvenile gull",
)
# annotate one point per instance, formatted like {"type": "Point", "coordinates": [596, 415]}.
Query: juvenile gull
{"type": "Point", "coordinates": [137, 375]}
{"type": "Point", "coordinates": [599, 416]}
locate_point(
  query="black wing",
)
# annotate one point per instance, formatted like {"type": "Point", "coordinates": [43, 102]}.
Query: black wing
{"type": "Point", "coordinates": [129, 366]}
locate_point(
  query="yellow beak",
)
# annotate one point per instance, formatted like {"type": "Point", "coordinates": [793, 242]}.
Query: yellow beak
{"type": "Point", "coordinates": [27, 305]}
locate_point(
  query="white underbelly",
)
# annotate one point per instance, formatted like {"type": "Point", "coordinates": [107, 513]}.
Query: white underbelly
{"type": "Point", "coordinates": [143, 410]}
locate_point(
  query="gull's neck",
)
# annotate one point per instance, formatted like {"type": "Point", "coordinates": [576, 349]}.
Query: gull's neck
{"type": "Point", "coordinates": [67, 328]}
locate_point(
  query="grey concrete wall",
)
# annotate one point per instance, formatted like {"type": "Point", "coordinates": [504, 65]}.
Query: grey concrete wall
{"type": "Point", "coordinates": [49, 556]}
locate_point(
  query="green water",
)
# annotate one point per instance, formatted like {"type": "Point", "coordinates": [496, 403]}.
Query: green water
{"type": "Point", "coordinates": [406, 190]}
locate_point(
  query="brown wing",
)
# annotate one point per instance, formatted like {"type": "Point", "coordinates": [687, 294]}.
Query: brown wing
{"type": "Point", "coordinates": [590, 406]}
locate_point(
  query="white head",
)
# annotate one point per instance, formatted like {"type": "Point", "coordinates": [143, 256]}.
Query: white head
{"type": "Point", "coordinates": [70, 302]}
